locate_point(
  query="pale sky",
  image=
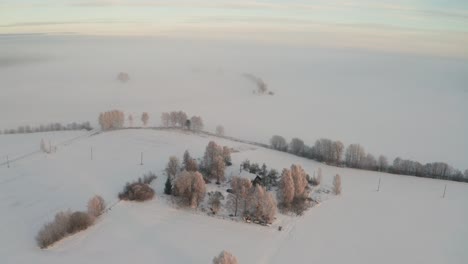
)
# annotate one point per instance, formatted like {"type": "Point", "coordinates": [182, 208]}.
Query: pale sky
{"type": "Point", "coordinates": [436, 27]}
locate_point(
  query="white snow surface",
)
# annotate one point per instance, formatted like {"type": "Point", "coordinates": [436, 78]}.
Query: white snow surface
{"type": "Point", "coordinates": [407, 221]}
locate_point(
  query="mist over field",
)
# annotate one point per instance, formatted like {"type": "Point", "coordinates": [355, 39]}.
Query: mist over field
{"type": "Point", "coordinates": [392, 103]}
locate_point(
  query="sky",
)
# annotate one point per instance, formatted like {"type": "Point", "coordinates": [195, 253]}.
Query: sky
{"type": "Point", "coordinates": [434, 27]}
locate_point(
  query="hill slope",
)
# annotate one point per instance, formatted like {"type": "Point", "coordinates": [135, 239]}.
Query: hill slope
{"type": "Point", "coordinates": [406, 222]}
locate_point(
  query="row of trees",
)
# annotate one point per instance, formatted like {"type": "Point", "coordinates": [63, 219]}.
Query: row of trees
{"type": "Point", "coordinates": [115, 119]}
{"type": "Point", "coordinates": [355, 156]}
{"type": "Point", "coordinates": [49, 127]}
{"type": "Point", "coordinates": [180, 119]}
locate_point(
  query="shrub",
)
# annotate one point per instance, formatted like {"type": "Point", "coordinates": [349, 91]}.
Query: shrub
{"type": "Point", "coordinates": [79, 221]}
{"type": "Point", "coordinates": [65, 223]}
{"type": "Point", "coordinates": [136, 192]}
{"type": "Point", "coordinates": [215, 201]}
{"type": "Point", "coordinates": [55, 230]}
{"type": "Point", "coordinates": [225, 258]}
{"type": "Point", "coordinates": [96, 206]}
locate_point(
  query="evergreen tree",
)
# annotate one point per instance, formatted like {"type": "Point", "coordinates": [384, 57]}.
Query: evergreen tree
{"type": "Point", "coordinates": [168, 186]}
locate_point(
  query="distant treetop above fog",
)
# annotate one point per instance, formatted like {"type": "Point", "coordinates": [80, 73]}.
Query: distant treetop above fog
{"type": "Point", "coordinates": [123, 77]}
{"type": "Point", "coordinates": [262, 87]}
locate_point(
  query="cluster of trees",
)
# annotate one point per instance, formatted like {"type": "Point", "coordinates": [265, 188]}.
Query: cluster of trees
{"type": "Point", "coordinates": [49, 127]}
{"type": "Point", "coordinates": [293, 190]}
{"type": "Point", "coordinates": [251, 200]}
{"type": "Point", "coordinates": [215, 160]}
{"type": "Point", "coordinates": [269, 177]}
{"type": "Point", "coordinates": [111, 120]}
{"type": "Point", "coordinates": [180, 119]}
{"type": "Point", "coordinates": [355, 156]}
{"type": "Point", "coordinates": [68, 222]}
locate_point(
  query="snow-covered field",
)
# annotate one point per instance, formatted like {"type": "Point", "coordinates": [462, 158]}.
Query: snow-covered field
{"type": "Point", "coordinates": [407, 221]}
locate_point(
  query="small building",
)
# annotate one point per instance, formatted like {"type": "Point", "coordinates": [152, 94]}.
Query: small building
{"type": "Point", "coordinates": [257, 180]}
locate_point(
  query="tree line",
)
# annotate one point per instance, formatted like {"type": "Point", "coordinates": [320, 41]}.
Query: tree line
{"type": "Point", "coordinates": [355, 156]}
{"type": "Point", "coordinates": [48, 127]}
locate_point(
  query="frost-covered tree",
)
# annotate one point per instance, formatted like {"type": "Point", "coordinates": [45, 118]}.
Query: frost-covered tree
{"type": "Point", "coordinates": [263, 205]}
{"type": "Point", "coordinates": [337, 184]}
{"type": "Point", "coordinates": [217, 169]}
{"type": "Point", "coordinates": [227, 155]}
{"type": "Point", "coordinates": [337, 152]}
{"type": "Point", "coordinates": [181, 118]}
{"type": "Point", "coordinates": [196, 123]}
{"type": "Point", "coordinates": [354, 156]}
{"type": "Point", "coordinates": [286, 190]}
{"type": "Point", "coordinates": [370, 163]}
{"type": "Point", "coordinates": [111, 120]}
{"type": "Point", "coordinates": [96, 206]}
{"type": "Point", "coordinates": [240, 194]}
{"type": "Point", "coordinates": [279, 143]}
{"type": "Point", "coordinates": [296, 146]}
{"type": "Point", "coordinates": [466, 174]}
{"type": "Point", "coordinates": [190, 186]}
{"type": "Point", "coordinates": [130, 120]}
{"type": "Point", "coordinates": [172, 167]}
{"type": "Point", "coordinates": [214, 202]}
{"type": "Point", "coordinates": [145, 118]}
{"type": "Point", "coordinates": [382, 163]}
{"type": "Point", "coordinates": [166, 119]}
{"type": "Point", "coordinates": [299, 178]}
{"type": "Point", "coordinates": [225, 258]}
{"type": "Point", "coordinates": [220, 130]}
{"type": "Point", "coordinates": [212, 151]}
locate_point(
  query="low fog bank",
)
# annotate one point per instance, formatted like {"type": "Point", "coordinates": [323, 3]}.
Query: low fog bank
{"type": "Point", "coordinates": [392, 104]}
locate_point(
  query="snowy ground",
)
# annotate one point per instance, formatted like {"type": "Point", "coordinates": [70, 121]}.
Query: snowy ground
{"type": "Point", "coordinates": [406, 222]}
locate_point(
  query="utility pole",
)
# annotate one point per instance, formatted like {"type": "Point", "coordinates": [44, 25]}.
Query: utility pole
{"type": "Point", "coordinates": [91, 153]}
{"type": "Point", "coordinates": [378, 187]}
{"type": "Point", "coordinates": [141, 162]}
{"type": "Point", "coordinates": [8, 161]}
{"type": "Point", "coordinates": [443, 196]}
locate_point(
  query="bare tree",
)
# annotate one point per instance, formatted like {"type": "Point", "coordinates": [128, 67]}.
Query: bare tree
{"type": "Point", "coordinates": [181, 118]}
{"type": "Point", "coordinates": [355, 156]}
{"type": "Point", "coordinates": [337, 184]}
{"type": "Point", "coordinates": [263, 205]}
{"type": "Point", "coordinates": [144, 118]}
{"type": "Point", "coordinates": [220, 130]}
{"type": "Point", "coordinates": [130, 120]}
{"type": "Point", "coordinates": [111, 120]}
{"type": "Point", "coordinates": [217, 169]}
{"type": "Point", "coordinates": [215, 201]}
{"type": "Point", "coordinates": [338, 149]}
{"type": "Point", "coordinates": [190, 186]}
{"type": "Point", "coordinates": [196, 123]}
{"type": "Point", "coordinates": [279, 143]}
{"type": "Point", "coordinates": [212, 151]}
{"type": "Point", "coordinates": [227, 155]}
{"type": "Point", "coordinates": [96, 206]}
{"type": "Point", "coordinates": [123, 77]}
{"type": "Point", "coordinates": [382, 163]}
{"type": "Point", "coordinates": [225, 258]}
{"type": "Point", "coordinates": [172, 167]}
{"type": "Point", "coordinates": [296, 146]}
{"type": "Point", "coordinates": [239, 196]}
{"type": "Point", "coordinates": [166, 119]}
{"type": "Point", "coordinates": [370, 162]}
{"type": "Point", "coordinates": [286, 190]}
{"type": "Point", "coordinates": [299, 178]}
